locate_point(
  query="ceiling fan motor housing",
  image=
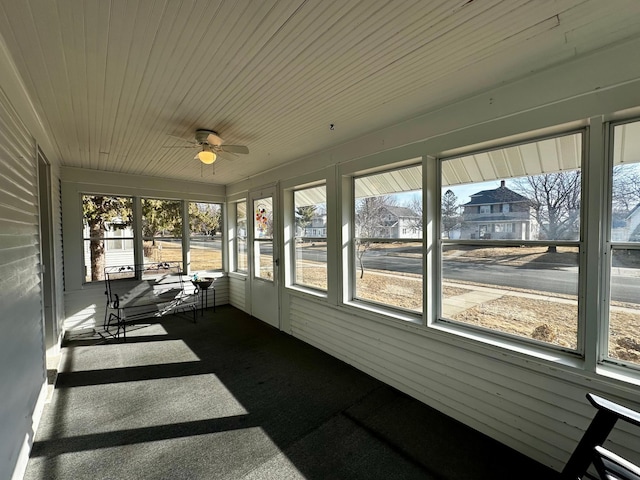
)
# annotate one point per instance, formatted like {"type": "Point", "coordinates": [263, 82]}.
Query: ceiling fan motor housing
{"type": "Point", "coordinates": [208, 137]}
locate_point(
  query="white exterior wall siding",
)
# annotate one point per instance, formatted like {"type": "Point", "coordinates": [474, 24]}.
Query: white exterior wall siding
{"type": "Point", "coordinates": [22, 350]}
{"type": "Point", "coordinates": [540, 411]}
{"type": "Point", "coordinates": [237, 293]}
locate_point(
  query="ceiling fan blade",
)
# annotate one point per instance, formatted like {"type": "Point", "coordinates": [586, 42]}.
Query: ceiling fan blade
{"type": "Point", "coordinates": [180, 146]}
{"type": "Point", "coordinates": [179, 138]}
{"type": "Point", "coordinates": [234, 149]}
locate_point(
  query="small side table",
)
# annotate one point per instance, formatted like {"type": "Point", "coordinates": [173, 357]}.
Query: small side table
{"type": "Point", "coordinates": [204, 285]}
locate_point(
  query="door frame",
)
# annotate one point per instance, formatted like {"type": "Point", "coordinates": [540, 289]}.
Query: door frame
{"type": "Point", "coordinates": [264, 296]}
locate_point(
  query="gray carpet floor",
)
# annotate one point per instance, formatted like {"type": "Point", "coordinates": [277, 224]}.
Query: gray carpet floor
{"type": "Point", "coordinates": [232, 398]}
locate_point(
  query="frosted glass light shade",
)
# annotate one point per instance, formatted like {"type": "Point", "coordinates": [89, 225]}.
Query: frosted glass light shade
{"type": "Point", "coordinates": [207, 157]}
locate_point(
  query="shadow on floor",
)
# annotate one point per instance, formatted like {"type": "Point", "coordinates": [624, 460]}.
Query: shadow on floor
{"type": "Point", "coordinates": [232, 398]}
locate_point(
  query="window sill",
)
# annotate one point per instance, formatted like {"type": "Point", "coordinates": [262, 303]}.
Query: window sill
{"type": "Point", "coordinates": [238, 276]}
{"type": "Point", "coordinates": [385, 314]}
{"type": "Point", "coordinates": [480, 342]}
{"type": "Point", "coordinates": [307, 291]}
{"type": "Point", "coordinates": [619, 373]}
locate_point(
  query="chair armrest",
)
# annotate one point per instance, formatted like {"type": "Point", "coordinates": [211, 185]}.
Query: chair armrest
{"type": "Point", "coordinates": [623, 413]}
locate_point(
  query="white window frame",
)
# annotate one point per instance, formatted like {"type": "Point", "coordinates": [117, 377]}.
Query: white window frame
{"type": "Point", "coordinates": [488, 335]}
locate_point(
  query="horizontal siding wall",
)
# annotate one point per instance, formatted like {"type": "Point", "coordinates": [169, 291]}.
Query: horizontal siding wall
{"type": "Point", "coordinates": [237, 293]}
{"type": "Point", "coordinates": [22, 375]}
{"type": "Point", "coordinates": [541, 414]}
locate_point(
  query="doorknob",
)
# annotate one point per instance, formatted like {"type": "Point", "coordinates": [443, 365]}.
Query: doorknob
{"type": "Point", "coordinates": [277, 262]}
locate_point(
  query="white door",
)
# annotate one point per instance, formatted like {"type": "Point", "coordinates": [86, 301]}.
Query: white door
{"type": "Point", "coordinates": [264, 257]}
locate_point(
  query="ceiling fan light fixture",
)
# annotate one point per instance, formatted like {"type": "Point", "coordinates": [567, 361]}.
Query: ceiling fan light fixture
{"type": "Point", "coordinates": [206, 156]}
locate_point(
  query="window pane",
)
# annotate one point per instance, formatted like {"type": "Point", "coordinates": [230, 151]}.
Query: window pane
{"type": "Point", "coordinates": [161, 230]}
{"type": "Point", "coordinates": [205, 243]}
{"type": "Point", "coordinates": [241, 237]}
{"type": "Point", "coordinates": [520, 290]}
{"type": "Point", "coordinates": [624, 302]}
{"type": "Point", "coordinates": [387, 249]}
{"type": "Point", "coordinates": [624, 310]}
{"type": "Point", "coordinates": [544, 205]}
{"type": "Point", "coordinates": [107, 233]}
{"type": "Point", "coordinates": [389, 274]}
{"type": "Point", "coordinates": [531, 289]}
{"type": "Point", "coordinates": [310, 237]}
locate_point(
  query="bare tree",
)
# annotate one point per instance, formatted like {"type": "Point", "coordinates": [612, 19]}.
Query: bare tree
{"type": "Point", "coordinates": [449, 211]}
{"type": "Point", "coordinates": [368, 222]}
{"type": "Point", "coordinates": [555, 203]}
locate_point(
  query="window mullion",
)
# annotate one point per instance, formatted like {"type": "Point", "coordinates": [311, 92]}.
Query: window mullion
{"type": "Point", "coordinates": [591, 281]}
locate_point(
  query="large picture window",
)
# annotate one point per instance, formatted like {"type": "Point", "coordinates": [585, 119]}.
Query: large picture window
{"type": "Point", "coordinates": [107, 233]}
{"type": "Point", "coordinates": [623, 339]}
{"type": "Point", "coordinates": [510, 240]}
{"type": "Point", "coordinates": [310, 245]}
{"type": "Point", "coordinates": [387, 211]}
{"type": "Point", "coordinates": [205, 236]}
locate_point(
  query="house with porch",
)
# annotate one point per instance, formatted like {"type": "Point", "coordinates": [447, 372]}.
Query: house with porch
{"type": "Point", "coordinates": [499, 213]}
{"type": "Point", "coordinates": [244, 104]}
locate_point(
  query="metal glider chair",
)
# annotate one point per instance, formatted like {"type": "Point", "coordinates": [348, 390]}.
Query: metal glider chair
{"type": "Point", "coordinates": [590, 451]}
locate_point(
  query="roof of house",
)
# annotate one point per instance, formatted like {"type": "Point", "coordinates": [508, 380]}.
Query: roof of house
{"type": "Point", "coordinates": [401, 211]}
{"type": "Point", "coordinates": [501, 194]}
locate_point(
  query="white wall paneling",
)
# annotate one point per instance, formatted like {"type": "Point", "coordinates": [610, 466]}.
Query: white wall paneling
{"type": "Point", "coordinates": [22, 351]}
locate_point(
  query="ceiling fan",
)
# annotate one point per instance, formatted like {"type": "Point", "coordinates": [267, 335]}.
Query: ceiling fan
{"type": "Point", "coordinates": [210, 145]}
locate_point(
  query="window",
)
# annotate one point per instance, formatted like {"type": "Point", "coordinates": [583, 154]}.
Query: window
{"type": "Point", "coordinates": [161, 230]}
{"type": "Point", "coordinates": [107, 233]}
{"type": "Point", "coordinates": [485, 209]}
{"type": "Point", "coordinates": [205, 236]}
{"type": "Point", "coordinates": [310, 245]}
{"type": "Point", "coordinates": [241, 237]}
{"type": "Point", "coordinates": [624, 293]}
{"type": "Point", "coordinates": [519, 275]}
{"type": "Point", "coordinates": [387, 267]}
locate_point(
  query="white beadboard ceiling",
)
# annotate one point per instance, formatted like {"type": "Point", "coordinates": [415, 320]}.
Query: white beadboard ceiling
{"type": "Point", "coordinates": [112, 80]}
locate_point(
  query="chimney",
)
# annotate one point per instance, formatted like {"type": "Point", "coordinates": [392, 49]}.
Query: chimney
{"type": "Point", "coordinates": [501, 183]}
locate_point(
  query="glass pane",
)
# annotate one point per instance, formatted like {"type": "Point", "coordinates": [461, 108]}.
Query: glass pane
{"type": "Point", "coordinates": [624, 308]}
{"type": "Point", "coordinates": [205, 226]}
{"type": "Point", "coordinates": [528, 291]}
{"type": "Point", "coordinates": [389, 206]}
{"type": "Point", "coordinates": [162, 250]}
{"type": "Point", "coordinates": [161, 218]}
{"type": "Point", "coordinates": [389, 273]}
{"type": "Point", "coordinates": [241, 237]}
{"type": "Point", "coordinates": [310, 237]}
{"type": "Point", "coordinates": [263, 258]}
{"type": "Point", "coordinates": [107, 232]}
{"type": "Point", "coordinates": [161, 230]}
{"type": "Point", "coordinates": [477, 204]}
{"type": "Point", "coordinates": [263, 218]}
{"type": "Point", "coordinates": [113, 254]}
{"type": "Point", "coordinates": [625, 200]}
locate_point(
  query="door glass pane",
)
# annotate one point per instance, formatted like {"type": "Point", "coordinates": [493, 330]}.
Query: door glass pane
{"type": "Point", "coordinates": [263, 259]}
{"type": "Point", "coordinates": [263, 238]}
{"type": "Point", "coordinates": [241, 237]}
{"type": "Point", "coordinates": [263, 218]}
